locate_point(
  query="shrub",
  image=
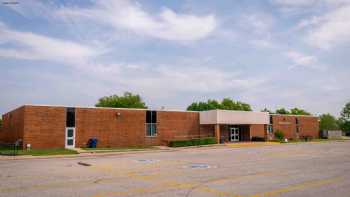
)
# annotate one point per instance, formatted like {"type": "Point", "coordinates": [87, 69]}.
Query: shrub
{"type": "Point", "coordinates": [258, 139]}
{"type": "Point", "coordinates": [192, 142]}
{"type": "Point", "coordinates": [196, 142]}
{"type": "Point", "coordinates": [279, 135]}
{"type": "Point", "coordinates": [210, 140]}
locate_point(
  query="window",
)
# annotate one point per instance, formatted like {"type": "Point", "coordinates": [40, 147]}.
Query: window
{"type": "Point", "coordinates": [269, 128]}
{"type": "Point", "coordinates": [70, 117]}
{"type": "Point", "coordinates": [151, 123]}
{"type": "Point", "coordinates": [297, 124]}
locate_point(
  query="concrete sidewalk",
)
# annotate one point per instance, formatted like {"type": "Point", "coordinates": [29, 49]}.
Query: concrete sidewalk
{"type": "Point", "coordinates": [94, 153]}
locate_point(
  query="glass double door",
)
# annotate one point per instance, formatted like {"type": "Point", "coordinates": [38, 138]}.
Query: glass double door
{"type": "Point", "coordinates": [234, 134]}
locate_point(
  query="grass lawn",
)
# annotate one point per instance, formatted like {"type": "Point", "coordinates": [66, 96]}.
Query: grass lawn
{"type": "Point", "coordinates": [40, 152]}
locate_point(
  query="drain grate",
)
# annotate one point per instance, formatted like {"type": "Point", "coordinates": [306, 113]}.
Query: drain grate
{"type": "Point", "coordinates": [199, 166]}
{"type": "Point", "coordinates": [147, 161]}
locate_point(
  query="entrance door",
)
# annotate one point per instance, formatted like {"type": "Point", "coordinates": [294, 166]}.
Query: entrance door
{"type": "Point", "coordinates": [70, 137]}
{"type": "Point", "coordinates": [234, 134]}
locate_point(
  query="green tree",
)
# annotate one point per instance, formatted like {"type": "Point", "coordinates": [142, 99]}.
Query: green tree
{"type": "Point", "coordinates": [226, 104]}
{"type": "Point", "coordinates": [0, 122]}
{"type": "Point", "coordinates": [229, 104]}
{"type": "Point", "coordinates": [344, 120]}
{"type": "Point", "coordinates": [328, 122]}
{"type": "Point", "coordinates": [267, 110]}
{"type": "Point", "coordinates": [127, 100]}
{"type": "Point", "coordinates": [282, 111]}
{"type": "Point", "coordinates": [297, 111]}
{"type": "Point", "coordinates": [346, 112]}
{"type": "Point", "coordinates": [213, 104]}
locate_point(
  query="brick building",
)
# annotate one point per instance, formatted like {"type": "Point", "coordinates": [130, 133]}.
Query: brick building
{"type": "Point", "coordinates": [58, 126]}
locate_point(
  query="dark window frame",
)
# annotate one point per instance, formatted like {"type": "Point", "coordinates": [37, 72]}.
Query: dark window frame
{"type": "Point", "coordinates": [297, 125]}
{"type": "Point", "coordinates": [151, 123]}
{"type": "Point", "coordinates": [70, 117]}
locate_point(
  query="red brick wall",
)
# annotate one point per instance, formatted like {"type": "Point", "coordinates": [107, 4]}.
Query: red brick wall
{"type": "Point", "coordinates": [111, 130]}
{"type": "Point", "coordinates": [257, 130]}
{"type": "Point", "coordinates": [207, 131]}
{"type": "Point", "coordinates": [12, 126]}
{"type": "Point", "coordinates": [308, 125]}
{"type": "Point", "coordinates": [177, 125]}
{"type": "Point", "coordinates": [129, 128]}
{"type": "Point", "coordinates": [286, 124]}
{"type": "Point", "coordinates": [44, 127]}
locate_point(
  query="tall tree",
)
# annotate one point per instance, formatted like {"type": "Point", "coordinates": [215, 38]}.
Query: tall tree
{"type": "Point", "coordinates": [267, 110]}
{"type": "Point", "coordinates": [293, 111]}
{"type": "Point", "coordinates": [297, 111]}
{"type": "Point", "coordinates": [344, 120]}
{"type": "Point", "coordinates": [127, 100]}
{"type": "Point", "coordinates": [282, 111]}
{"type": "Point", "coordinates": [0, 122]}
{"type": "Point", "coordinates": [328, 122]}
{"type": "Point", "coordinates": [226, 104]}
{"type": "Point", "coordinates": [345, 113]}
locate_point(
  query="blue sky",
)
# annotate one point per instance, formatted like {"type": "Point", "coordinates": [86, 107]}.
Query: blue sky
{"type": "Point", "coordinates": [273, 53]}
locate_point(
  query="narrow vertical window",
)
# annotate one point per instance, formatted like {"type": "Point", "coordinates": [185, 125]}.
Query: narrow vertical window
{"type": "Point", "coordinates": [297, 124]}
{"type": "Point", "coordinates": [70, 118]}
{"type": "Point", "coordinates": [151, 123]}
{"type": "Point", "coordinates": [269, 127]}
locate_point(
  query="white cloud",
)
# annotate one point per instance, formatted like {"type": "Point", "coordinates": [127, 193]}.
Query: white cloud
{"type": "Point", "coordinates": [330, 30]}
{"type": "Point", "coordinates": [257, 28]}
{"type": "Point", "coordinates": [302, 60]}
{"type": "Point", "coordinates": [161, 81]}
{"type": "Point", "coordinates": [33, 8]}
{"type": "Point", "coordinates": [309, 3]}
{"type": "Point", "coordinates": [258, 23]}
{"type": "Point", "coordinates": [295, 3]}
{"type": "Point", "coordinates": [305, 23]}
{"type": "Point", "coordinates": [125, 15]}
{"type": "Point", "coordinates": [27, 45]}
{"type": "Point", "coordinates": [262, 43]}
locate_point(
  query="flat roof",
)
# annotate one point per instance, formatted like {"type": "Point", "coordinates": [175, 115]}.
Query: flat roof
{"type": "Point", "coordinates": [169, 110]}
{"type": "Point", "coordinates": [292, 115]}
{"type": "Point", "coordinates": [93, 107]}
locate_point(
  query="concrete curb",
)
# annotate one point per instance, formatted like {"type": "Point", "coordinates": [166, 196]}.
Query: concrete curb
{"type": "Point", "coordinates": [80, 155]}
{"type": "Point", "coordinates": [104, 154]}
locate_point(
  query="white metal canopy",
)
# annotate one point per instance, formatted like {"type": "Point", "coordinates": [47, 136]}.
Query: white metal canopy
{"type": "Point", "coordinates": [233, 117]}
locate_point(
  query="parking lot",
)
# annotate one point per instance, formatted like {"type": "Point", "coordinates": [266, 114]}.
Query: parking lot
{"type": "Point", "coordinates": [301, 169]}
